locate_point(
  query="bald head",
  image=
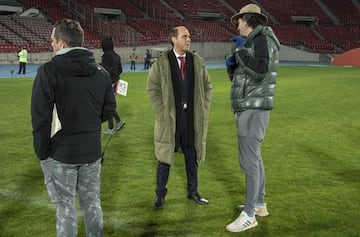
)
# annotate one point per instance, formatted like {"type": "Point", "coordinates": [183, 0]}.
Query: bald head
{"type": "Point", "coordinates": [180, 39]}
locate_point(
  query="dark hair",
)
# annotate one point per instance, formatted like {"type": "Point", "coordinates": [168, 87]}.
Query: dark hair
{"type": "Point", "coordinates": [70, 32]}
{"type": "Point", "coordinates": [107, 44]}
{"type": "Point", "coordinates": [253, 19]}
{"type": "Point", "coordinates": [173, 33]}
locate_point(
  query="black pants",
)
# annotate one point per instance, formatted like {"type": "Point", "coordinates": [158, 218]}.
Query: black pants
{"type": "Point", "coordinates": [146, 64]}
{"type": "Point", "coordinates": [132, 65]}
{"type": "Point", "coordinates": [111, 121]}
{"type": "Point", "coordinates": [22, 67]}
{"type": "Point", "coordinates": [191, 165]}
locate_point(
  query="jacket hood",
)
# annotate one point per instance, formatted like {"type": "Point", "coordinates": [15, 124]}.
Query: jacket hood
{"type": "Point", "coordinates": [77, 62]}
{"type": "Point", "coordinates": [265, 30]}
{"type": "Point", "coordinates": [107, 44]}
{"type": "Point", "coordinates": [269, 32]}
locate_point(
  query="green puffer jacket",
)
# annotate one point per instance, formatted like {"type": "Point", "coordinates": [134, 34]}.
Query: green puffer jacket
{"type": "Point", "coordinates": [251, 89]}
{"type": "Point", "coordinates": [160, 92]}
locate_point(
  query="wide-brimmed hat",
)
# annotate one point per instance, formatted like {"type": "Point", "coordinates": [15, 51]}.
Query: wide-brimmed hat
{"type": "Point", "coordinates": [250, 8]}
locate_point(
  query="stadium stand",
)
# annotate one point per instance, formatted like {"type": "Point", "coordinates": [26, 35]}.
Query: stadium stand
{"type": "Point", "coordinates": [51, 8]}
{"type": "Point", "coordinates": [303, 36]}
{"type": "Point", "coordinates": [116, 29]}
{"type": "Point", "coordinates": [126, 6]}
{"type": "Point", "coordinates": [191, 9]}
{"type": "Point", "coordinates": [10, 3]}
{"type": "Point", "coordinates": [31, 31]}
{"type": "Point", "coordinates": [285, 9]}
{"type": "Point", "coordinates": [335, 27]}
{"type": "Point", "coordinates": [236, 5]}
{"type": "Point", "coordinates": [156, 9]}
{"type": "Point", "coordinates": [207, 31]}
{"type": "Point", "coordinates": [345, 11]}
{"type": "Point", "coordinates": [344, 40]}
{"type": "Point", "coordinates": [147, 27]}
{"type": "Point", "coordinates": [8, 35]}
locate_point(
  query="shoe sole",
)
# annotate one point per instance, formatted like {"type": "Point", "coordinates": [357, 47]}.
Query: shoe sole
{"type": "Point", "coordinates": [158, 208]}
{"type": "Point", "coordinates": [261, 214]}
{"type": "Point", "coordinates": [203, 201]}
{"type": "Point", "coordinates": [118, 128]}
{"type": "Point", "coordinates": [243, 229]}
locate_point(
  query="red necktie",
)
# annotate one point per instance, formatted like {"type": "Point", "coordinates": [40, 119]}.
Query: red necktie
{"type": "Point", "coordinates": [182, 67]}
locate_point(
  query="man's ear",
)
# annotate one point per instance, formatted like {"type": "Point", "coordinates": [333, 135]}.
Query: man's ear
{"type": "Point", "coordinates": [63, 44]}
{"type": "Point", "coordinates": [173, 39]}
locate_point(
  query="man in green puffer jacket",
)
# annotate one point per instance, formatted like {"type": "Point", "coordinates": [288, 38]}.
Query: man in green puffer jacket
{"type": "Point", "coordinates": [253, 71]}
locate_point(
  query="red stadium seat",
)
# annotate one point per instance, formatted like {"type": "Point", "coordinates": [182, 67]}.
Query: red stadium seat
{"type": "Point", "coordinates": [148, 22]}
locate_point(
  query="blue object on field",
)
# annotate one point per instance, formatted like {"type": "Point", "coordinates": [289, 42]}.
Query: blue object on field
{"type": "Point", "coordinates": [230, 61]}
{"type": "Point", "coordinates": [238, 41]}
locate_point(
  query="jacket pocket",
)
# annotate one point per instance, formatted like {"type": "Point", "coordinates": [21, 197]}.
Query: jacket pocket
{"type": "Point", "coordinates": [162, 131]}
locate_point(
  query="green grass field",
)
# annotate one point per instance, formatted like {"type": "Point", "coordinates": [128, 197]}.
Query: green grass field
{"type": "Point", "coordinates": [311, 155]}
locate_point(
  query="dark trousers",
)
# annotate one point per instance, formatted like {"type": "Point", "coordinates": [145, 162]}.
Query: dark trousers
{"type": "Point", "coordinates": [116, 115]}
{"type": "Point", "coordinates": [22, 67]}
{"type": "Point", "coordinates": [191, 165]}
{"type": "Point", "coordinates": [146, 64]}
{"type": "Point", "coordinates": [132, 65]}
{"type": "Point", "coordinates": [111, 121]}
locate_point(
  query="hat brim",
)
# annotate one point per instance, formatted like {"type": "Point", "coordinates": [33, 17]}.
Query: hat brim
{"type": "Point", "coordinates": [234, 19]}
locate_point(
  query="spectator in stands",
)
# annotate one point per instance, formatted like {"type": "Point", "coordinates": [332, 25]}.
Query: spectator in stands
{"type": "Point", "coordinates": [111, 61]}
{"type": "Point", "coordinates": [180, 98]}
{"type": "Point", "coordinates": [147, 60]}
{"type": "Point", "coordinates": [72, 95]}
{"type": "Point", "coordinates": [253, 79]}
{"type": "Point", "coordinates": [133, 57]}
{"type": "Point", "coordinates": [22, 55]}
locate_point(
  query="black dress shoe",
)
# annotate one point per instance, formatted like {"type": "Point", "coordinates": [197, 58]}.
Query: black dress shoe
{"type": "Point", "coordinates": [198, 199]}
{"type": "Point", "coordinates": [159, 203]}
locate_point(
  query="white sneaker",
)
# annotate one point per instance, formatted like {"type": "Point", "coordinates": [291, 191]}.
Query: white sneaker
{"type": "Point", "coordinates": [243, 222]}
{"type": "Point", "coordinates": [119, 125]}
{"type": "Point", "coordinates": [259, 210]}
{"type": "Point", "coordinates": [109, 131]}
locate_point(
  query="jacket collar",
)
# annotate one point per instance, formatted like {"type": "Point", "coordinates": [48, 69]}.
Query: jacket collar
{"type": "Point", "coordinates": [66, 50]}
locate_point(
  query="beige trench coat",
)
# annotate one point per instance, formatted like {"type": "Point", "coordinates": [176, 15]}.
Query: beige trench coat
{"type": "Point", "coordinates": [159, 89]}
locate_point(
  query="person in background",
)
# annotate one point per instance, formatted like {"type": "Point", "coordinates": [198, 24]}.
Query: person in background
{"type": "Point", "coordinates": [22, 55]}
{"type": "Point", "coordinates": [253, 78]}
{"type": "Point", "coordinates": [147, 60]}
{"type": "Point", "coordinates": [111, 61]}
{"type": "Point", "coordinates": [133, 57]}
{"type": "Point", "coordinates": [179, 90]}
{"type": "Point", "coordinates": [72, 95]}
{"type": "Point", "coordinates": [18, 51]}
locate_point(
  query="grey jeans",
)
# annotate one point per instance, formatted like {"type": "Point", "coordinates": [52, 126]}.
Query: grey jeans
{"type": "Point", "coordinates": [63, 181]}
{"type": "Point", "coordinates": [251, 126]}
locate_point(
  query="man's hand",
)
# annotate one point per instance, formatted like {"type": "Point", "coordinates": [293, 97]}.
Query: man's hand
{"type": "Point", "coordinates": [230, 66]}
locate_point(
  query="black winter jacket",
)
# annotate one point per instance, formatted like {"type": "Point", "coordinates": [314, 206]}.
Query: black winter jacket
{"type": "Point", "coordinates": [82, 92]}
{"type": "Point", "coordinates": [110, 60]}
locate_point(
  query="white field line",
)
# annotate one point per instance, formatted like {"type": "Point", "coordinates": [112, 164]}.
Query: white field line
{"type": "Point", "coordinates": [21, 197]}
{"type": "Point", "coordinates": [113, 222]}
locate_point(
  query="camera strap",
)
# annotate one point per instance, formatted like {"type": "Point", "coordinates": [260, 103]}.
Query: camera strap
{"type": "Point", "coordinates": [103, 153]}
